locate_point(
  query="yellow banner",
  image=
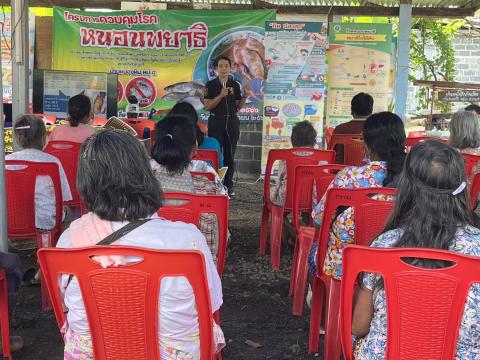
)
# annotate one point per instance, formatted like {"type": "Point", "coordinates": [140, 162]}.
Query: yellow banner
{"type": "Point", "coordinates": [360, 37]}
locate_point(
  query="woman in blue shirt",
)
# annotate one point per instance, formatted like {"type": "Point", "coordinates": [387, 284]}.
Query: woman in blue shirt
{"type": "Point", "coordinates": [186, 110]}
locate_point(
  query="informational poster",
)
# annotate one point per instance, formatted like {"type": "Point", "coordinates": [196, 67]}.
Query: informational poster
{"type": "Point", "coordinates": [6, 44]}
{"type": "Point", "coordinates": [163, 57]}
{"type": "Point", "coordinates": [60, 86]}
{"type": "Point", "coordinates": [358, 61]}
{"type": "Point", "coordinates": [296, 64]}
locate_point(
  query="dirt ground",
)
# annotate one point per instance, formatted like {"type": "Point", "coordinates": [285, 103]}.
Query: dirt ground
{"type": "Point", "coordinates": [256, 302]}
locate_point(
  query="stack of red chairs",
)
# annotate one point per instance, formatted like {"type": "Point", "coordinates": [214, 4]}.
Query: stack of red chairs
{"type": "Point", "coordinates": [370, 218]}
{"type": "Point", "coordinates": [272, 213]}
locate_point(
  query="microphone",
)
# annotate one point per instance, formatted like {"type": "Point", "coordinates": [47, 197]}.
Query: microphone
{"type": "Point", "coordinates": [224, 83]}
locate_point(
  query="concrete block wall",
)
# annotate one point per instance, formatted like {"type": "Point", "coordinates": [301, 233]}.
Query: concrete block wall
{"type": "Point", "coordinates": [249, 149]}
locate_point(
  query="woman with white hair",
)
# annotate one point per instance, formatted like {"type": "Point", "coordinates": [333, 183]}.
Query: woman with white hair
{"type": "Point", "coordinates": [465, 132]}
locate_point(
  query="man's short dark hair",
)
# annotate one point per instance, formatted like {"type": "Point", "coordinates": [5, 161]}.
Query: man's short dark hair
{"type": "Point", "coordinates": [362, 105]}
{"type": "Point", "coordinates": [217, 60]}
{"type": "Point", "coordinates": [474, 108]}
{"type": "Point", "coordinates": [303, 134]}
{"type": "Point", "coordinates": [115, 180]}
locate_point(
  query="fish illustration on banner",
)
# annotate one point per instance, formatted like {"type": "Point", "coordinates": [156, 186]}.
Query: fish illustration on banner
{"type": "Point", "coordinates": [163, 57]}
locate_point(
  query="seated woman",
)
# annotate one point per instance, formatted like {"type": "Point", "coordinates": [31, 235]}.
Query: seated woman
{"type": "Point", "coordinates": [29, 131]}
{"type": "Point", "coordinates": [431, 211]}
{"type": "Point", "coordinates": [127, 191]}
{"type": "Point", "coordinates": [79, 116]}
{"type": "Point", "coordinates": [465, 133]}
{"type": "Point", "coordinates": [175, 145]}
{"type": "Point", "coordinates": [204, 142]}
{"type": "Point", "coordinates": [303, 135]}
{"type": "Point", "coordinates": [384, 135]}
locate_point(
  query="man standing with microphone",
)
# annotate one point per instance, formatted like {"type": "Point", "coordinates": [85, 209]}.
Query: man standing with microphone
{"type": "Point", "coordinates": [223, 98]}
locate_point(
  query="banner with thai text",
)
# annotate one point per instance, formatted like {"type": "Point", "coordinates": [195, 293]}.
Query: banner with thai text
{"type": "Point", "coordinates": [358, 61]}
{"type": "Point", "coordinates": [163, 57]}
{"type": "Point", "coordinates": [295, 56]}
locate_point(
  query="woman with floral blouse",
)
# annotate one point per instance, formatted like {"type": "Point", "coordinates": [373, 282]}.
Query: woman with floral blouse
{"type": "Point", "coordinates": [384, 135]}
{"type": "Point", "coordinates": [431, 211]}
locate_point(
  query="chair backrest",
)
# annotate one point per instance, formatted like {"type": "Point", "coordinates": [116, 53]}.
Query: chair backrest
{"type": "Point", "coordinates": [353, 148]}
{"type": "Point", "coordinates": [190, 210]}
{"type": "Point", "coordinates": [411, 141]}
{"type": "Point", "coordinates": [305, 178]}
{"type": "Point", "coordinates": [471, 161]}
{"type": "Point", "coordinates": [68, 154]}
{"type": "Point", "coordinates": [474, 190]}
{"type": "Point", "coordinates": [20, 188]}
{"type": "Point", "coordinates": [122, 302]}
{"type": "Point", "coordinates": [370, 215]}
{"type": "Point", "coordinates": [210, 156]}
{"type": "Point", "coordinates": [424, 306]}
{"type": "Point", "coordinates": [141, 126]}
{"type": "Point", "coordinates": [47, 119]}
{"type": "Point", "coordinates": [210, 176]}
{"type": "Point", "coordinates": [294, 157]}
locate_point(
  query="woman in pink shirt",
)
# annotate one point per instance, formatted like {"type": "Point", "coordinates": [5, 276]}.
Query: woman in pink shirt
{"type": "Point", "coordinates": [79, 115]}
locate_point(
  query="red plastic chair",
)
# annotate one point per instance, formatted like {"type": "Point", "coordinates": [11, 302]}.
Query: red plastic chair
{"type": "Point", "coordinates": [471, 161]}
{"type": "Point", "coordinates": [411, 141]}
{"type": "Point", "coordinates": [210, 156]}
{"type": "Point", "coordinates": [22, 175]}
{"type": "Point", "coordinates": [4, 322]}
{"type": "Point", "coordinates": [68, 154]}
{"type": "Point", "coordinates": [273, 213]}
{"type": "Point", "coordinates": [127, 295]}
{"type": "Point", "coordinates": [190, 211]}
{"type": "Point", "coordinates": [305, 178]}
{"type": "Point", "coordinates": [210, 176]}
{"type": "Point", "coordinates": [474, 190]}
{"type": "Point", "coordinates": [424, 306]}
{"type": "Point", "coordinates": [353, 148]}
{"type": "Point", "coordinates": [47, 119]}
{"type": "Point", "coordinates": [98, 122]}
{"type": "Point", "coordinates": [140, 125]}
{"type": "Point", "coordinates": [370, 217]}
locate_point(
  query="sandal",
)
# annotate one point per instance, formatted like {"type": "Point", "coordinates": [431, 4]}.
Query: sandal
{"type": "Point", "coordinates": [29, 278]}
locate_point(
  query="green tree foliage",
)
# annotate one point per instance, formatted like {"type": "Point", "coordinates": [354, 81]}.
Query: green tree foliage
{"type": "Point", "coordinates": [439, 66]}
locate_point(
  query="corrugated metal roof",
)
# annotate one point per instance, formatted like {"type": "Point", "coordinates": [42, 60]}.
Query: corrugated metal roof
{"type": "Point", "coordinates": [468, 5]}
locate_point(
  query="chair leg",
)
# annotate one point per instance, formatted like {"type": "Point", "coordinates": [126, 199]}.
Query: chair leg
{"type": "Point", "coordinates": [305, 241]}
{"type": "Point", "coordinates": [316, 315]}
{"type": "Point", "coordinates": [4, 320]}
{"type": "Point", "coordinates": [333, 346]}
{"type": "Point", "coordinates": [293, 273]}
{"type": "Point", "coordinates": [276, 225]}
{"type": "Point", "coordinates": [264, 229]}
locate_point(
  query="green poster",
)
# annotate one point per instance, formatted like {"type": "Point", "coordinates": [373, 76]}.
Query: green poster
{"type": "Point", "coordinates": [163, 57]}
{"type": "Point", "coordinates": [358, 61]}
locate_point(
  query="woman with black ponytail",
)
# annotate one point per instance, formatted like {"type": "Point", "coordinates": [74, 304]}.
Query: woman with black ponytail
{"type": "Point", "coordinates": [384, 137]}
{"type": "Point", "coordinates": [77, 128]}
{"type": "Point", "coordinates": [175, 145]}
{"type": "Point", "coordinates": [431, 211]}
